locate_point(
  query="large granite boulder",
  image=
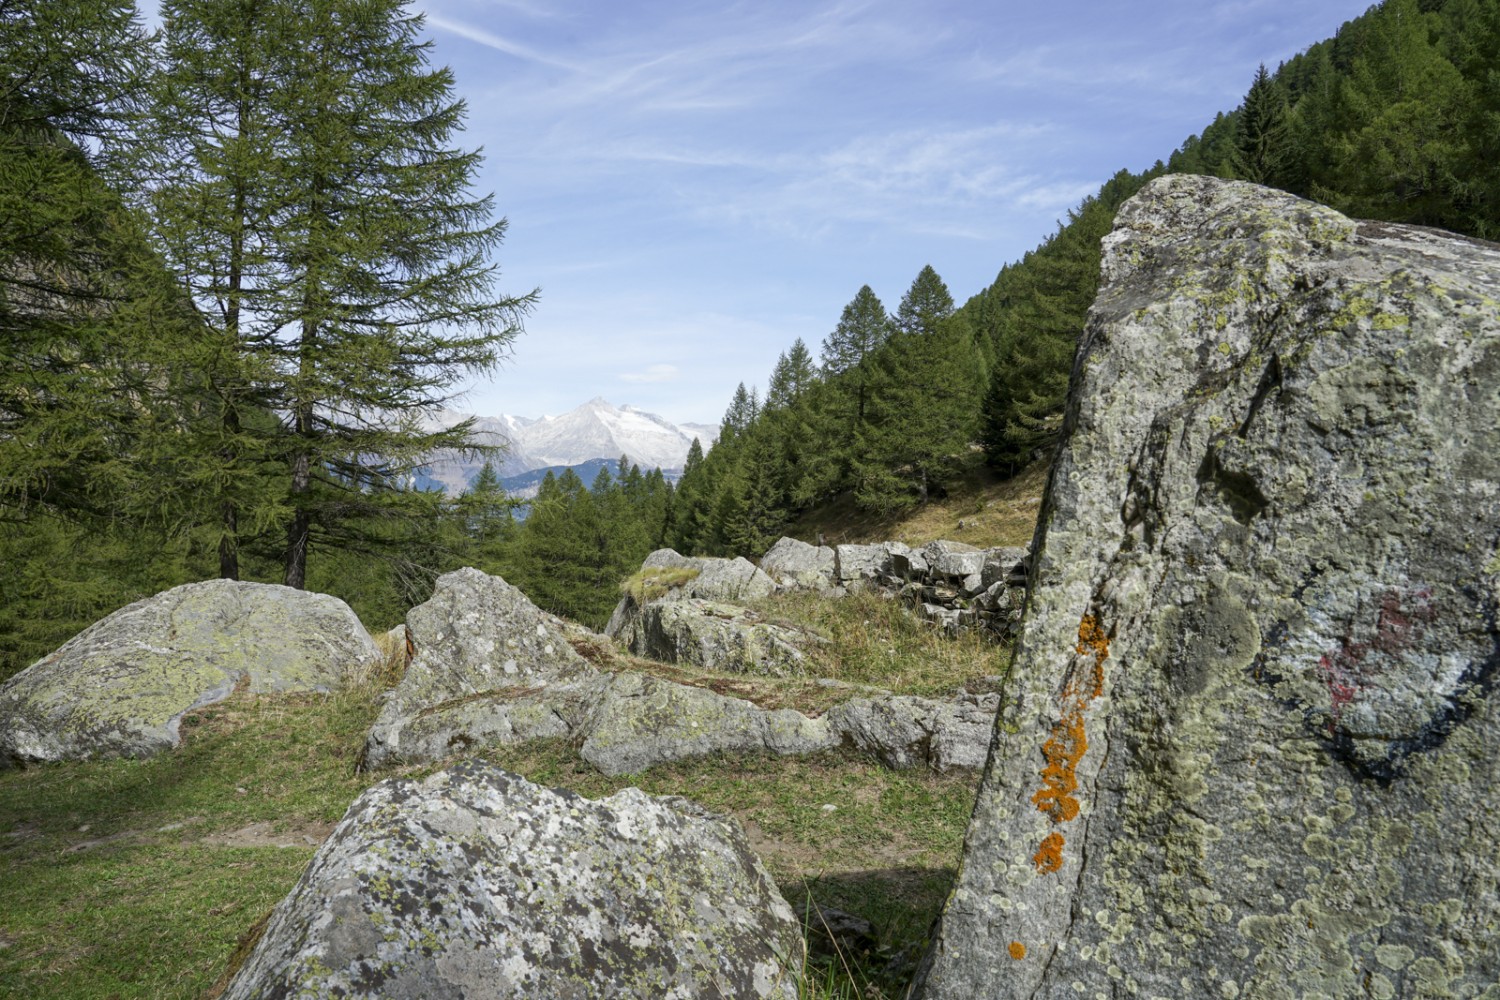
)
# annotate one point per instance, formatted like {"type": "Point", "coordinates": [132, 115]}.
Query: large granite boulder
{"type": "Point", "coordinates": [489, 666]}
{"type": "Point", "coordinates": [478, 884]}
{"type": "Point", "coordinates": [120, 687]}
{"type": "Point", "coordinates": [716, 636]}
{"type": "Point", "coordinates": [1250, 746]}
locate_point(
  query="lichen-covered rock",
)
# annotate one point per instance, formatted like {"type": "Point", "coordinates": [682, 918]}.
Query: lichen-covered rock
{"type": "Point", "coordinates": [493, 717]}
{"type": "Point", "coordinates": [716, 636]}
{"type": "Point", "coordinates": [953, 560]}
{"type": "Point", "coordinates": [483, 651]}
{"type": "Point", "coordinates": [904, 731]}
{"type": "Point", "coordinates": [642, 721]}
{"type": "Point", "coordinates": [1004, 565]}
{"type": "Point", "coordinates": [736, 579]}
{"type": "Point", "coordinates": [1250, 745]}
{"type": "Point", "coordinates": [477, 884]}
{"type": "Point", "coordinates": [710, 579]}
{"type": "Point", "coordinates": [121, 686]}
{"type": "Point", "coordinates": [795, 564]}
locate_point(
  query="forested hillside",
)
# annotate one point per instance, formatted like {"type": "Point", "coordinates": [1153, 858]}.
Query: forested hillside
{"type": "Point", "coordinates": [220, 311]}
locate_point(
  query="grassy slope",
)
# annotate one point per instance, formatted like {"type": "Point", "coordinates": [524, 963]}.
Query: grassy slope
{"type": "Point", "coordinates": [981, 509]}
{"type": "Point", "coordinates": [138, 879]}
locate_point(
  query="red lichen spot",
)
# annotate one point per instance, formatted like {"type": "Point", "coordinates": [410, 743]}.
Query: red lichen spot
{"type": "Point", "coordinates": [1017, 950]}
{"type": "Point", "coordinates": [1048, 858]}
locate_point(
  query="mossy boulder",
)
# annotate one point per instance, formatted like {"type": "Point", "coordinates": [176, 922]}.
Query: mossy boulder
{"type": "Point", "coordinates": [120, 687]}
{"type": "Point", "coordinates": [1250, 745]}
{"type": "Point", "coordinates": [478, 883]}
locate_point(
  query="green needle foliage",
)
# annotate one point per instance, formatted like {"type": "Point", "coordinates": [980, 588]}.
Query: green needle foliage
{"type": "Point", "coordinates": [308, 193]}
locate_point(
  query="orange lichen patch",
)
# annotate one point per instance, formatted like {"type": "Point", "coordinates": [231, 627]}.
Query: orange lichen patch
{"type": "Point", "coordinates": [1017, 950]}
{"type": "Point", "coordinates": [1048, 858]}
{"type": "Point", "coordinates": [1068, 741]}
{"type": "Point", "coordinates": [1063, 751]}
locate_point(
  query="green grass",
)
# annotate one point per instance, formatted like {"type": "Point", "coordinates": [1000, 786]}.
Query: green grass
{"type": "Point", "coordinates": [139, 879]}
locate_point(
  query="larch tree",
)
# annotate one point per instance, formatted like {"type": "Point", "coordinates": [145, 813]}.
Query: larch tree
{"type": "Point", "coordinates": [320, 215]}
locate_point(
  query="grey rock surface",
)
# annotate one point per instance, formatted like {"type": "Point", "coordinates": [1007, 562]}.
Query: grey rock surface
{"type": "Point", "coordinates": [715, 635]}
{"type": "Point", "coordinates": [1250, 746]}
{"type": "Point", "coordinates": [861, 564]}
{"type": "Point", "coordinates": [795, 564]}
{"type": "Point", "coordinates": [482, 649]}
{"type": "Point", "coordinates": [736, 579]}
{"type": "Point", "coordinates": [121, 686]}
{"type": "Point", "coordinates": [642, 721]}
{"type": "Point", "coordinates": [904, 731]}
{"type": "Point", "coordinates": [477, 884]}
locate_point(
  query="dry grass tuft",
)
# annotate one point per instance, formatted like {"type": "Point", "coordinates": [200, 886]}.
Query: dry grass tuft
{"type": "Point", "coordinates": [655, 581]}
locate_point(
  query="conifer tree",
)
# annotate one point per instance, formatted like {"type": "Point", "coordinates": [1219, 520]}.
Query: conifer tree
{"type": "Point", "coordinates": [926, 303]}
{"type": "Point", "coordinates": [1263, 138]}
{"type": "Point", "coordinates": [320, 216]}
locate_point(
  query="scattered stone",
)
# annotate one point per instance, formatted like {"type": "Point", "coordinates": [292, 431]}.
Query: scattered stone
{"type": "Point", "coordinates": [1251, 739]}
{"type": "Point", "coordinates": [490, 667]}
{"type": "Point", "coordinates": [861, 565]}
{"type": "Point", "coordinates": [477, 883]}
{"type": "Point", "coordinates": [121, 686]}
{"type": "Point", "coordinates": [839, 935]}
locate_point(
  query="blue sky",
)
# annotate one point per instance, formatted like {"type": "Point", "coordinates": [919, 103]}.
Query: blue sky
{"type": "Point", "coordinates": [694, 185]}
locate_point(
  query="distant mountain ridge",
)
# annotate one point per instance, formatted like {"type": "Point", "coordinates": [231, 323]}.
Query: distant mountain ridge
{"type": "Point", "coordinates": [597, 430]}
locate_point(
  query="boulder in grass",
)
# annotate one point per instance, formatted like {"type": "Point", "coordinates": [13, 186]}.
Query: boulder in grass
{"type": "Point", "coordinates": [479, 643]}
{"type": "Point", "coordinates": [121, 686]}
{"type": "Point", "coordinates": [478, 884]}
{"type": "Point", "coordinates": [643, 721]}
{"type": "Point", "coordinates": [716, 636]}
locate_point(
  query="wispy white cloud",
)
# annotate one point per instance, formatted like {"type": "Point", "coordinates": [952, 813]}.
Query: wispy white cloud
{"type": "Point", "coordinates": [491, 40]}
{"type": "Point", "coordinates": [653, 373]}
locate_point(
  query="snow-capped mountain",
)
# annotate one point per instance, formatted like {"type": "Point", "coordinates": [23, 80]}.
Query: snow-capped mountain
{"type": "Point", "coordinates": [595, 430]}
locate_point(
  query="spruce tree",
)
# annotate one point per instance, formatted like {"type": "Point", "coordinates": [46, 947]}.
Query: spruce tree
{"type": "Point", "coordinates": [926, 303]}
{"type": "Point", "coordinates": [319, 214]}
{"type": "Point", "coordinates": [1263, 139]}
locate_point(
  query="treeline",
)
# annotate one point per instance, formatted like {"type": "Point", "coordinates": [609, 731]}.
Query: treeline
{"type": "Point", "coordinates": [1395, 118]}
{"type": "Point", "coordinates": [223, 309]}
{"type": "Point", "coordinates": [239, 261]}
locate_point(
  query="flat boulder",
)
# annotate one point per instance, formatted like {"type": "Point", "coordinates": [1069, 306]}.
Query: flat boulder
{"type": "Point", "coordinates": [121, 686]}
{"type": "Point", "coordinates": [482, 654]}
{"type": "Point", "coordinates": [905, 731]}
{"type": "Point", "coordinates": [642, 721]}
{"type": "Point", "coordinates": [716, 636]}
{"type": "Point", "coordinates": [476, 883]}
{"type": "Point", "coordinates": [1250, 744]}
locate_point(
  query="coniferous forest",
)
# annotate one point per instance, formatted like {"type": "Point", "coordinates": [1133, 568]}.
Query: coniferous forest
{"type": "Point", "coordinates": [223, 310]}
